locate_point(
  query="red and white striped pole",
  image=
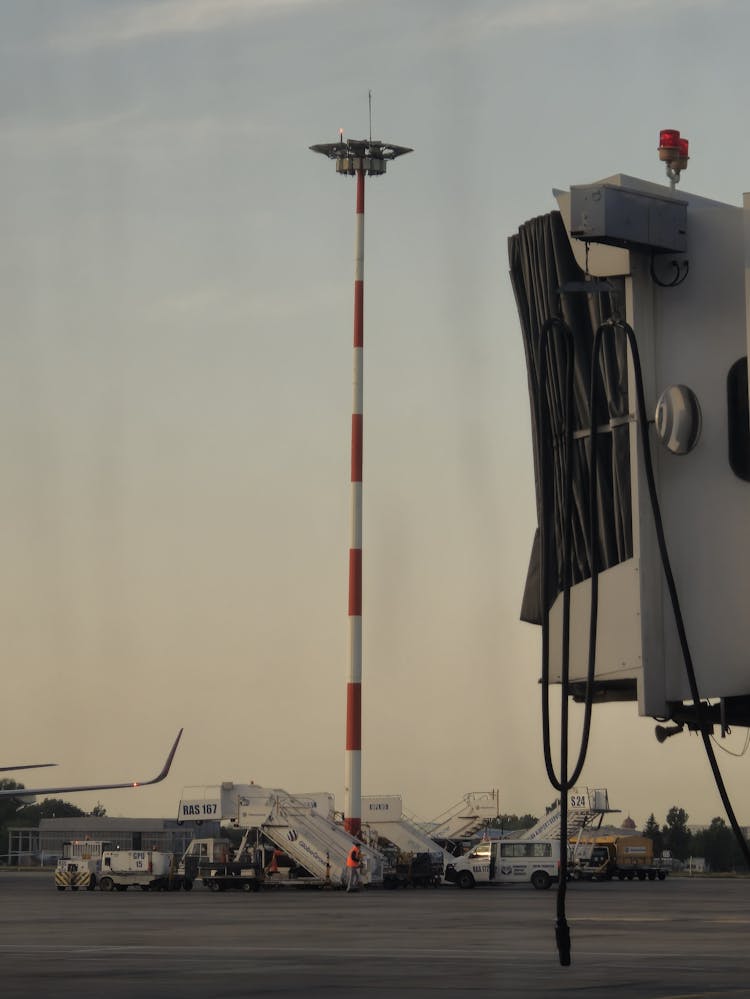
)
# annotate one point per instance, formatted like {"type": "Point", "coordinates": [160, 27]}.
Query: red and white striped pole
{"type": "Point", "coordinates": [358, 157]}
{"type": "Point", "coordinates": [353, 767]}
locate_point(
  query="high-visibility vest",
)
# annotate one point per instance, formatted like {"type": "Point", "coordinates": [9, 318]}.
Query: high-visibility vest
{"type": "Point", "coordinates": [352, 859]}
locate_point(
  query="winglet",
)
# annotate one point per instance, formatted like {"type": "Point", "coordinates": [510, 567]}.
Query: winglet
{"type": "Point", "coordinates": [165, 769]}
{"type": "Point", "coordinates": [22, 793]}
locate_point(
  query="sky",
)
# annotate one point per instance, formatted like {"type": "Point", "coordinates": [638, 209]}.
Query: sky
{"type": "Point", "coordinates": [176, 275]}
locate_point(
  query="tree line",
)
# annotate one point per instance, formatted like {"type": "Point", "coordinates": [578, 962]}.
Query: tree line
{"type": "Point", "coordinates": [27, 816]}
{"type": "Point", "coordinates": [716, 844]}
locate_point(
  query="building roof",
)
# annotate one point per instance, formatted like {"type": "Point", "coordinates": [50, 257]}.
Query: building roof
{"type": "Point", "coordinates": [108, 824]}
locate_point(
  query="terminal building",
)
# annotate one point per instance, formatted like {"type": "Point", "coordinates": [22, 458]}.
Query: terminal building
{"type": "Point", "coordinates": [43, 845]}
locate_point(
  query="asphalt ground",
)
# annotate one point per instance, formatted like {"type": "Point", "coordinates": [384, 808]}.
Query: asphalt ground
{"type": "Point", "coordinates": [678, 939]}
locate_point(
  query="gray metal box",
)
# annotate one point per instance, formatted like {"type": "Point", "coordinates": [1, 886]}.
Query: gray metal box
{"type": "Point", "coordinates": [618, 216]}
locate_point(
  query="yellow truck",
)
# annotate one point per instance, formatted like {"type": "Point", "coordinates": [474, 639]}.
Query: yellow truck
{"type": "Point", "coordinates": [602, 858]}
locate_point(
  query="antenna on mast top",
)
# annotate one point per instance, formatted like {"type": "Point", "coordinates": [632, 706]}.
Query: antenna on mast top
{"type": "Point", "coordinates": [369, 97]}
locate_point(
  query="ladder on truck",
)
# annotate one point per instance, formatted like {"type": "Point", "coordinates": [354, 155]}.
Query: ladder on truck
{"type": "Point", "coordinates": [585, 806]}
{"type": "Point", "coordinates": [315, 842]}
{"type": "Point", "coordinates": [300, 825]}
{"type": "Point", "coordinates": [462, 820]}
{"type": "Point", "coordinates": [385, 818]}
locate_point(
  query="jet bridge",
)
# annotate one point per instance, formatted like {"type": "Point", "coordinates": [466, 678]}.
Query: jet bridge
{"type": "Point", "coordinates": [676, 271]}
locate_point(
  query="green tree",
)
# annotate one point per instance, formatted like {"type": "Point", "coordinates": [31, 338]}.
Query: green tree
{"type": "Point", "coordinates": [718, 846]}
{"type": "Point", "coordinates": [653, 832]}
{"type": "Point", "coordinates": [50, 808]}
{"type": "Point", "coordinates": [676, 834]}
{"type": "Point", "coordinates": [510, 822]}
{"type": "Point", "coordinates": [8, 810]}
{"type": "Point", "coordinates": [99, 811]}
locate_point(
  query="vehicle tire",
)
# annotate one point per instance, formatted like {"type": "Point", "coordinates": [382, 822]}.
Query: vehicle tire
{"type": "Point", "coordinates": [144, 887]}
{"type": "Point", "coordinates": [74, 887]}
{"type": "Point", "coordinates": [106, 884]}
{"type": "Point", "coordinates": [465, 880]}
{"type": "Point", "coordinates": [187, 884]}
{"type": "Point", "coordinates": [540, 879]}
{"type": "Point", "coordinates": [641, 875]}
{"type": "Point", "coordinates": [60, 887]}
{"type": "Point", "coordinates": [121, 887]}
{"type": "Point", "coordinates": [652, 875]}
{"type": "Point", "coordinates": [661, 875]}
{"type": "Point", "coordinates": [631, 875]}
{"type": "Point", "coordinates": [621, 875]}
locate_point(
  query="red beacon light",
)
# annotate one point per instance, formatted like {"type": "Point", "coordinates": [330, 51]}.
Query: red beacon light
{"type": "Point", "coordinates": [669, 141]}
{"type": "Point", "coordinates": [673, 150]}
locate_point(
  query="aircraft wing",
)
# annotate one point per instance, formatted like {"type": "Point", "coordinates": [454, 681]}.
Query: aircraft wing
{"type": "Point", "coordinates": [28, 792]}
{"type": "Point", "coordinates": [25, 766]}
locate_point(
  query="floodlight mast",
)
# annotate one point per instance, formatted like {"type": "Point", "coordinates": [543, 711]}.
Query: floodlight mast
{"type": "Point", "coordinates": [357, 157]}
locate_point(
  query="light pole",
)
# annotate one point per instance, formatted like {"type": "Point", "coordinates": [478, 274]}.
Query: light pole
{"type": "Point", "coordinates": [360, 158]}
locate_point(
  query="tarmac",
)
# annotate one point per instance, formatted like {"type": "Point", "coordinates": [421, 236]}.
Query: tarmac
{"type": "Point", "coordinates": [684, 938]}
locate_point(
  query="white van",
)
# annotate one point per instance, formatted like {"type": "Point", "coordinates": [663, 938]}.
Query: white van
{"type": "Point", "coordinates": [507, 861]}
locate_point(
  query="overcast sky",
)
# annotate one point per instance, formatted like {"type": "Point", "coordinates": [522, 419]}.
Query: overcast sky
{"type": "Point", "coordinates": [175, 379]}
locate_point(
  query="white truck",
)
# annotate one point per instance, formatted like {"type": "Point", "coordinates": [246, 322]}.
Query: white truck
{"type": "Point", "coordinates": [80, 864]}
{"type": "Point", "coordinates": [150, 870]}
{"type": "Point", "coordinates": [507, 861]}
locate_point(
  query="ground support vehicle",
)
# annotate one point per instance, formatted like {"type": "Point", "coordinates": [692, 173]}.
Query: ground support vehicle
{"type": "Point", "coordinates": [79, 865]}
{"type": "Point", "coordinates": [302, 826]}
{"type": "Point", "coordinates": [507, 861]}
{"type": "Point", "coordinates": [417, 870]}
{"type": "Point", "coordinates": [626, 858]}
{"type": "Point", "coordinates": [415, 858]}
{"type": "Point", "coordinates": [233, 877]}
{"type": "Point", "coordinates": [149, 870]}
{"type": "Point", "coordinates": [586, 809]}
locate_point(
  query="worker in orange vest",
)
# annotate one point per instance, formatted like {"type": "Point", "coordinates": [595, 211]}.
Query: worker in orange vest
{"type": "Point", "coordinates": [353, 863]}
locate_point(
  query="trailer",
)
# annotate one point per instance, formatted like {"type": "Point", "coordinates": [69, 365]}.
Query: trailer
{"type": "Point", "coordinates": [215, 863]}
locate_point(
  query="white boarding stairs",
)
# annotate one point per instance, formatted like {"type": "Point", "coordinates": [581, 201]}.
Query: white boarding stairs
{"type": "Point", "coordinates": [223, 802]}
{"type": "Point", "coordinates": [474, 811]}
{"type": "Point", "coordinates": [299, 824]}
{"type": "Point", "coordinates": [585, 805]}
{"type": "Point", "coordinates": [384, 816]}
{"type": "Point", "coordinates": [315, 841]}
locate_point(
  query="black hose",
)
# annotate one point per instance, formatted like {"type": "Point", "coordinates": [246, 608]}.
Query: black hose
{"type": "Point", "coordinates": [565, 448]}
